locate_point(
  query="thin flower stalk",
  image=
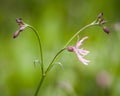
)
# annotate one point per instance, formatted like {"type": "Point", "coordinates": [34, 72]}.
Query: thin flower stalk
{"type": "Point", "coordinates": [40, 48]}
{"type": "Point", "coordinates": [77, 33]}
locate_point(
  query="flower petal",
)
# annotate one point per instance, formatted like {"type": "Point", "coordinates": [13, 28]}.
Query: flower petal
{"type": "Point", "coordinates": [83, 52]}
{"type": "Point", "coordinates": [84, 61]}
{"type": "Point", "coordinates": [80, 42]}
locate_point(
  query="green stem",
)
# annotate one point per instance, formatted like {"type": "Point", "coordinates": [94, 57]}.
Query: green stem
{"type": "Point", "coordinates": [48, 69]}
{"type": "Point", "coordinates": [77, 33]}
{"type": "Point", "coordinates": [40, 47]}
{"type": "Point", "coordinates": [56, 56]}
{"type": "Point", "coordinates": [40, 84]}
{"type": "Point", "coordinates": [53, 60]}
{"type": "Point", "coordinates": [42, 67]}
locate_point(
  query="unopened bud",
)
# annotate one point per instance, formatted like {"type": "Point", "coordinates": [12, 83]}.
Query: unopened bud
{"type": "Point", "coordinates": [19, 21]}
{"type": "Point", "coordinates": [103, 22]}
{"type": "Point", "coordinates": [16, 34]}
{"type": "Point", "coordinates": [100, 15]}
{"type": "Point", "coordinates": [106, 30]}
{"type": "Point", "coordinates": [70, 48]}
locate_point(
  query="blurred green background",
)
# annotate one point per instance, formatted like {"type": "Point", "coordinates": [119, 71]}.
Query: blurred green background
{"type": "Point", "coordinates": [57, 21]}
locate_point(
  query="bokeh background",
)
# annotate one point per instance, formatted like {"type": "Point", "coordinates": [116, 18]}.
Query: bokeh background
{"type": "Point", "coordinates": [57, 21]}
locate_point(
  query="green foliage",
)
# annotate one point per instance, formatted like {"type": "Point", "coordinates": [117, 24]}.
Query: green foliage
{"type": "Point", "coordinates": [56, 22]}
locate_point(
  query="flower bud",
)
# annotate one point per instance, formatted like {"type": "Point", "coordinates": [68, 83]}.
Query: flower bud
{"type": "Point", "coordinates": [70, 48]}
{"type": "Point", "coordinates": [100, 15]}
{"type": "Point", "coordinates": [19, 21]}
{"type": "Point", "coordinates": [103, 22]}
{"type": "Point", "coordinates": [106, 30]}
{"type": "Point", "coordinates": [16, 34]}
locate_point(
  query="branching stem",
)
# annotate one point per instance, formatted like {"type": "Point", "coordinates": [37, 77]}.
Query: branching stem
{"type": "Point", "coordinates": [44, 73]}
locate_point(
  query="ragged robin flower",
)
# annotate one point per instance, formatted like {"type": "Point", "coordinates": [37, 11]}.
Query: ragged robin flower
{"type": "Point", "coordinates": [80, 52]}
{"type": "Point", "coordinates": [22, 26]}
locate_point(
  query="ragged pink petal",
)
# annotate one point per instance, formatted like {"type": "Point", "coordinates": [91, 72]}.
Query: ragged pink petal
{"type": "Point", "coordinates": [80, 42]}
{"type": "Point", "coordinates": [83, 52]}
{"type": "Point", "coordinates": [84, 61]}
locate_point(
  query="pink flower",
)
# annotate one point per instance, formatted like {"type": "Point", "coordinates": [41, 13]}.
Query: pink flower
{"type": "Point", "coordinates": [80, 52]}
